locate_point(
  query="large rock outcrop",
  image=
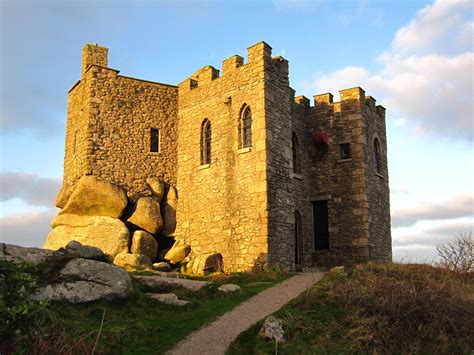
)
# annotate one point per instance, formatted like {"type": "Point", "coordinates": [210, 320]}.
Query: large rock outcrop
{"type": "Point", "coordinates": [82, 280]}
{"type": "Point", "coordinates": [177, 253]}
{"type": "Point", "coordinates": [132, 262]}
{"type": "Point", "coordinates": [33, 256]}
{"type": "Point", "coordinates": [70, 274]}
{"type": "Point", "coordinates": [63, 195]}
{"type": "Point", "coordinates": [144, 243]}
{"type": "Point", "coordinates": [206, 263]}
{"type": "Point", "coordinates": [168, 207]}
{"type": "Point", "coordinates": [93, 196]}
{"type": "Point", "coordinates": [147, 215]}
{"type": "Point", "coordinates": [157, 187]}
{"type": "Point", "coordinates": [106, 233]}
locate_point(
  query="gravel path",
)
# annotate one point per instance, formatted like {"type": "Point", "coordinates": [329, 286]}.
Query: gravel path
{"type": "Point", "coordinates": [216, 337]}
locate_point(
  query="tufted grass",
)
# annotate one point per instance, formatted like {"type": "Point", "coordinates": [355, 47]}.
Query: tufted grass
{"type": "Point", "coordinates": [376, 309]}
{"type": "Point", "coordinates": [141, 325]}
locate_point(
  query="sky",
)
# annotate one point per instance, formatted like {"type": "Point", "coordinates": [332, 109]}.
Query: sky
{"type": "Point", "coordinates": [415, 57]}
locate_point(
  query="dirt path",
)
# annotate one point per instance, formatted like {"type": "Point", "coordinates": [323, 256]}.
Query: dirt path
{"type": "Point", "coordinates": [215, 338]}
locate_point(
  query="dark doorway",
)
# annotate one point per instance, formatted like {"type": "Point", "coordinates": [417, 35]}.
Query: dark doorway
{"type": "Point", "coordinates": [297, 238]}
{"type": "Point", "coordinates": [320, 220]}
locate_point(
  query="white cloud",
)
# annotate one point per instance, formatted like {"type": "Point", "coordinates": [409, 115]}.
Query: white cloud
{"type": "Point", "coordinates": [441, 27]}
{"type": "Point", "coordinates": [423, 235]}
{"type": "Point", "coordinates": [26, 229]}
{"type": "Point", "coordinates": [426, 76]}
{"type": "Point", "coordinates": [454, 207]}
{"type": "Point", "coordinates": [30, 188]}
{"type": "Point", "coordinates": [418, 243]}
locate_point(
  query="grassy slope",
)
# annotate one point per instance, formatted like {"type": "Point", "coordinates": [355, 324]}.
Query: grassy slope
{"type": "Point", "coordinates": [142, 325]}
{"type": "Point", "coordinates": [374, 309]}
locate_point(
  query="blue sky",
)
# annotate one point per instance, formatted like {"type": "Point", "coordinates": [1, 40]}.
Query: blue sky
{"type": "Point", "coordinates": [415, 57]}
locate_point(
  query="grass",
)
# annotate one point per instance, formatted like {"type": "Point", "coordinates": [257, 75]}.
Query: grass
{"type": "Point", "coordinates": [142, 325]}
{"type": "Point", "coordinates": [376, 309]}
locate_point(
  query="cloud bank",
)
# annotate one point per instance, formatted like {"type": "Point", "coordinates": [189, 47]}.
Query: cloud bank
{"type": "Point", "coordinates": [425, 77]}
{"type": "Point", "coordinates": [26, 229]}
{"type": "Point", "coordinates": [455, 207]}
{"type": "Point", "coordinates": [30, 188]}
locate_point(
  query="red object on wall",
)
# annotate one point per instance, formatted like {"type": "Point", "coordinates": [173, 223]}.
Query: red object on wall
{"type": "Point", "coordinates": [321, 138]}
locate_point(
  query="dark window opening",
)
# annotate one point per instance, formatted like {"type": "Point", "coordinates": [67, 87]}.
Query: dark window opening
{"type": "Point", "coordinates": [245, 128]}
{"type": "Point", "coordinates": [206, 142]}
{"type": "Point", "coordinates": [154, 140]}
{"type": "Point", "coordinates": [345, 150]}
{"type": "Point", "coordinates": [298, 240]}
{"type": "Point", "coordinates": [321, 225]}
{"type": "Point", "coordinates": [296, 156]}
{"type": "Point", "coordinates": [377, 157]}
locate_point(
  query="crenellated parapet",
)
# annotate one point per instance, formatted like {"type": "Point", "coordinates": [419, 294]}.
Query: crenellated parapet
{"type": "Point", "coordinates": [235, 69]}
{"type": "Point", "coordinates": [352, 100]}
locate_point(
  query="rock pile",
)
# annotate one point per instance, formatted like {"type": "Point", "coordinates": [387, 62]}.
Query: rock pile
{"type": "Point", "coordinates": [74, 274]}
{"type": "Point", "coordinates": [135, 233]}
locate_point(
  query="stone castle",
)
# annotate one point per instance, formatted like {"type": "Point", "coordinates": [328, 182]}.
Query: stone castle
{"type": "Point", "coordinates": [262, 177]}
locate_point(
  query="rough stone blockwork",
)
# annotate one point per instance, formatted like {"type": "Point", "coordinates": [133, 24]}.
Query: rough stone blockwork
{"type": "Point", "coordinates": [109, 124]}
{"type": "Point", "coordinates": [295, 185]}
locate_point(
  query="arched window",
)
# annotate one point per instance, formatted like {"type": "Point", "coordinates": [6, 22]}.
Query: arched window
{"type": "Point", "coordinates": [296, 154]}
{"type": "Point", "coordinates": [206, 142]}
{"type": "Point", "coordinates": [245, 128]}
{"type": "Point", "coordinates": [377, 157]}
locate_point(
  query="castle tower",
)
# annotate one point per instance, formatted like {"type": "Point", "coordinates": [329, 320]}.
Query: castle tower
{"type": "Point", "coordinates": [223, 191]}
{"type": "Point", "coordinates": [119, 128]}
{"type": "Point", "coordinates": [342, 190]}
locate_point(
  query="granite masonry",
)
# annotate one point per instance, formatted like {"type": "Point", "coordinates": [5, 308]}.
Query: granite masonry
{"type": "Point", "coordinates": [260, 175]}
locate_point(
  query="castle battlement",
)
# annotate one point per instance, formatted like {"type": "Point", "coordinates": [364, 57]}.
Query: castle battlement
{"type": "Point", "coordinates": [263, 177]}
{"type": "Point", "coordinates": [234, 68]}
{"type": "Point", "coordinates": [352, 100]}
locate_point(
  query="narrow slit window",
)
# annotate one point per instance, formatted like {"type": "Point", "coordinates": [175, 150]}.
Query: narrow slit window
{"type": "Point", "coordinates": [345, 150]}
{"type": "Point", "coordinates": [206, 142]}
{"type": "Point", "coordinates": [154, 140]}
{"type": "Point", "coordinates": [296, 155]}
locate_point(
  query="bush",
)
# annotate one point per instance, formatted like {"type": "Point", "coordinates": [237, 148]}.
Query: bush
{"type": "Point", "coordinates": [458, 255]}
{"type": "Point", "coordinates": [20, 316]}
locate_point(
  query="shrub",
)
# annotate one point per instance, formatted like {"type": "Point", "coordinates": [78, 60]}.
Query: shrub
{"type": "Point", "coordinates": [458, 255]}
{"type": "Point", "coordinates": [20, 316]}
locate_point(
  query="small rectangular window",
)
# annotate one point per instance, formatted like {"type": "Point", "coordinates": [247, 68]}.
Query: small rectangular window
{"type": "Point", "coordinates": [154, 140]}
{"type": "Point", "coordinates": [345, 150]}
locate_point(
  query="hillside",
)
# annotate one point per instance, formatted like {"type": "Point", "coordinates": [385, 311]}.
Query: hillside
{"type": "Point", "coordinates": [374, 309]}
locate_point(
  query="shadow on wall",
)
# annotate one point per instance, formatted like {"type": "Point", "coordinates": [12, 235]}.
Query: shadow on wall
{"type": "Point", "coordinates": [260, 263]}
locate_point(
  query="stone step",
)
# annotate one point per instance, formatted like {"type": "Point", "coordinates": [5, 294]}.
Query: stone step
{"type": "Point", "coordinates": [168, 298]}
{"type": "Point", "coordinates": [164, 282]}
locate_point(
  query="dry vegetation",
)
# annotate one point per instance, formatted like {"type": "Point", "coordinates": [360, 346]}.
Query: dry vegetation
{"type": "Point", "coordinates": [388, 308]}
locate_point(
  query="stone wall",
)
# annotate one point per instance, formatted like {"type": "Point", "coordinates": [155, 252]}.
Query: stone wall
{"type": "Point", "coordinates": [223, 206]}
{"type": "Point", "coordinates": [281, 198]}
{"type": "Point", "coordinates": [300, 182]}
{"type": "Point", "coordinates": [380, 241]}
{"type": "Point", "coordinates": [344, 183]}
{"type": "Point", "coordinates": [77, 147]}
{"type": "Point", "coordinates": [113, 115]}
